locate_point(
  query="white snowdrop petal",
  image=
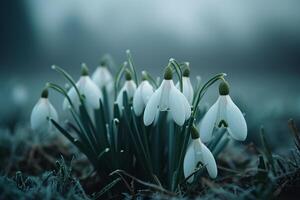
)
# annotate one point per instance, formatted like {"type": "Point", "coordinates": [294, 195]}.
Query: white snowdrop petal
{"type": "Point", "coordinates": [119, 99]}
{"type": "Point", "coordinates": [146, 91]}
{"type": "Point", "coordinates": [103, 78]}
{"type": "Point", "coordinates": [53, 113]}
{"type": "Point", "coordinates": [189, 163]}
{"type": "Point", "coordinates": [40, 114]}
{"type": "Point", "coordinates": [177, 108]}
{"type": "Point", "coordinates": [237, 126]}
{"type": "Point", "coordinates": [138, 103]}
{"type": "Point", "coordinates": [165, 88]}
{"type": "Point", "coordinates": [207, 124]}
{"type": "Point", "coordinates": [188, 90]}
{"type": "Point", "coordinates": [73, 97]}
{"type": "Point", "coordinates": [209, 161]}
{"type": "Point", "coordinates": [130, 88]}
{"type": "Point", "coordinates": [187, 106]}
{"type": "Point", "coordinates": [152, 107]}
{"type": "Point", "coordinates": [92, 93]}
{"type": "Point", "coordinates": [222, 112]}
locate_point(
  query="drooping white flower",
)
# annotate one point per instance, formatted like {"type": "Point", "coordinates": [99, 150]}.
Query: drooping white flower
{"type": "Point", "coordinates": [103, 78]}
{"type": "Point", "coordinates": [224, 113]}
{"type": "Point", "coordinates": [42, 112]}
{"type": "Point", "coordinates": [167, 98]}
{"type": "Point", "coordinates": [142, 96]}
{"type": "Point", "coordinates": [129, 87]}
{"type": "Point", "coordinates": [187, 88]}
{"type": "Point", "coordinates": [87, 88]}
{"type": "Point", "coordinates": [198, 152]}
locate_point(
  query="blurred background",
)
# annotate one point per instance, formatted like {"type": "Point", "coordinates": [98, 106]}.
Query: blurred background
{"type": "Point", "coordinates": [257, 43]}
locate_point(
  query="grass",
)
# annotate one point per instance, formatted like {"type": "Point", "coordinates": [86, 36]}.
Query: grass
{"type": "Point", "coordinates": [251, 171]}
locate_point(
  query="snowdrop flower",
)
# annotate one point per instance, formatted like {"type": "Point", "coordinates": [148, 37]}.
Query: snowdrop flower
{"type": "Point", "coordinates": [41, 113]}
{"type": "Point", "coordinates": [103, 78]}
{"type": "Point", "coordinates": [142, 96]}
{"type": "Point", "coordinates": [87, 88]}
{"type": "Point", "coordinates": [167, 98]}
{"type": "Point", "coordinates": [198, 152]}
{"type": "Point", "coordinates": [187, 88]}
{"type": "Point", "coordinates": [129, 87]}
{"type": "Point", "coordinates": [224, 113]}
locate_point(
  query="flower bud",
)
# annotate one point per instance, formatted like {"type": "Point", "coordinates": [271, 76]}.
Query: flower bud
{"type": "Point", "coordinates": [194, 133]}
{"type": "Point", "coordinates": [128, 76]}
{"type": "Point", "coordinates": [168, 73]}
{"type": "Point", "coordinates": [45, 94]}
{"type": "Point", "coordinates": [224, 88]}
{"type": "Point", "coordinates": [186, 71]}
{"type": "Point", "coordinates": [84, 70]}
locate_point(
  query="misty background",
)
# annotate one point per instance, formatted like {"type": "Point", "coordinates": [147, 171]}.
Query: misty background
{"type": "Point", "coordinates": [257, 43]}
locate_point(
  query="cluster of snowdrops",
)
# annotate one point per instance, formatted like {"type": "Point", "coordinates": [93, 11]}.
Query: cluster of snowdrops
{"type": "Point", "coordinates": [148, 99]}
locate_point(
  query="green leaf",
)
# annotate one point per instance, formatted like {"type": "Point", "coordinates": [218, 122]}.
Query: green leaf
{"type": "Point", "coordinates": [100, 125]}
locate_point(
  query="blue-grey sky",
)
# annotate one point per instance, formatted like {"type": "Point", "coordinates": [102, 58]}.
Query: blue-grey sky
{"type": "Point", "coordinates": [257, 43]}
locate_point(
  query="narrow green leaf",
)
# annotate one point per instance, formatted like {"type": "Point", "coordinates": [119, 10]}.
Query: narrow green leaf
{"type": "Point", "coordinates": [89, 128]}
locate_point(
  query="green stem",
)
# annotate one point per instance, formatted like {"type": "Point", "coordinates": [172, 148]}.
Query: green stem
{"type": "Point", "coordinates": [203, 90]}
{"type": "Point", "coordinates": [130, 61]}
{"type": "Point", "coordinates": [178, 70]}
{"type": "Point", "coordinates": [61, 91]}
{"type": "Point", "coordinates": [118, 77]}
{"type": "Point", "coordinates": [69, 78]}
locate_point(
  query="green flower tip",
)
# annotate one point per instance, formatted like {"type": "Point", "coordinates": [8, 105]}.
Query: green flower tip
{"type": "Point", "coordinates": [223, 123]}
{"type": "Point", "coordinates": [186, 71]}
{"type": "Point", "coordinates": [102, 63]}
{"type": "Point", "coordinates": [224, 88]}
{"type": "Point", "coordinates": [45, 93]}
{"type": "Point", "coordinates": [168, 73]}
{"type": "Point", "coordinates": [171, 59]}
{"type": "Point", "coordinates": [128, 76]}
{"type": "Point", "coordinates": [84, 70]}
{"type": "Point", "coordinates": [144, 75]}
{"type": "Point", "coordinates": [127, 51]}
{"type": "Point", "coordinates": [194, 133]}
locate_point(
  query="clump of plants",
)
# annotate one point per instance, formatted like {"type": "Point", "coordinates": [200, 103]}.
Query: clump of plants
{"type": "Point", "coordinates": [151, 137]}
{"type": "Point", "coordinates": [146, 127]}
